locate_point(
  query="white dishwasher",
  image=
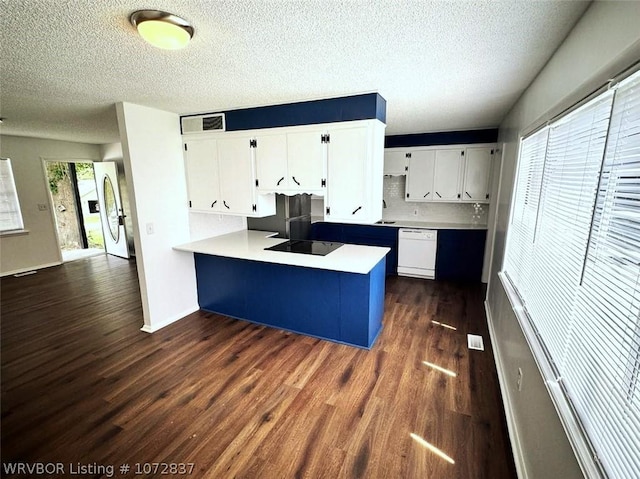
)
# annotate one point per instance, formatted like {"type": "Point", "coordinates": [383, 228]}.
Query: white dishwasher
{"type": "Point", "coordinates": [417, 253]}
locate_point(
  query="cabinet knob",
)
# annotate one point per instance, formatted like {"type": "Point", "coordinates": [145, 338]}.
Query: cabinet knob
{"type": "Point", "coordinates": [466, 193]}
{"type": "Point", "coordinates": [441, 196]}
{"type": "Point", "coordinates": [280, 181]}
{"type": "Point", "coordinates": [213, 204]}
{"type": "Point", "coordinates": [356, 210]}
{"type": "Point", "coordinates": [226, 205]}
{"type": "Point", "coordinates": [427, 194]}
{"type": "Point", "coordinates": [296, 181]}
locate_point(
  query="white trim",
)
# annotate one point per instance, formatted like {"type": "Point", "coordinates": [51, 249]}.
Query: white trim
{"type": "Point", "coordinates": [152, 328]}
{"type": "Point", "coordinates": [572, 428]}
{"type": "Point", "coordinates": [14, 233]}
{"type": "Point", "coordinates": [31, 268]}
{"type": "Point", "coordinates": [491, 229]}
{"type": "Point", "coordinates": [514, 437]}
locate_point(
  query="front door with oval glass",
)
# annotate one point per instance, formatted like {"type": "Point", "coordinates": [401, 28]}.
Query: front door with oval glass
{"type": "Point", "coordinates": [110, 205]}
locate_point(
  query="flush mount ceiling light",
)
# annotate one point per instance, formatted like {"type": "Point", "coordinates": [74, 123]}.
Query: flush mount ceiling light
{"type": "Point", "coordinates": [162, 29]}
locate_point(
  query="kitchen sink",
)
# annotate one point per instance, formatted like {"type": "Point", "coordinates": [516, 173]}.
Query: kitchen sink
{"type": "Point", "coordinates": [385, 222]}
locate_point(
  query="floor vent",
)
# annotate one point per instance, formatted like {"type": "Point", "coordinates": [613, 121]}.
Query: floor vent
{"type": "Point", "coordinates": [475, 342]}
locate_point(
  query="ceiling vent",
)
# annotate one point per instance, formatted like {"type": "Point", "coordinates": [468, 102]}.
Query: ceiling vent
{"type": "Point", "coordinates": [202, 123]}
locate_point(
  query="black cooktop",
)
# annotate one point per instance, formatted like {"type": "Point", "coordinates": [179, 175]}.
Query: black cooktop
{"type": "Point", "coordinates": [320, 248]}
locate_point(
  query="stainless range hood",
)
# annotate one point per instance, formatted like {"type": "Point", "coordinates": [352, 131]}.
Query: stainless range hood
{"type": "Point", "coordinates": [292, 219]}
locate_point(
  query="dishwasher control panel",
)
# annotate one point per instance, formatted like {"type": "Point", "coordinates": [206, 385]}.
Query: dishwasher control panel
{"type": "Point", "coordinates": [418, 234]}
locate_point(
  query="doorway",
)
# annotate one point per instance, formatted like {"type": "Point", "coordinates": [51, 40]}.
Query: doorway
{"type": "Point", "coordinates": [74, 201]}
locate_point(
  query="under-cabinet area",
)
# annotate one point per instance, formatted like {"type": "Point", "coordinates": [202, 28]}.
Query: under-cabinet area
{"type": "Point", "coordinates": [450, 173]}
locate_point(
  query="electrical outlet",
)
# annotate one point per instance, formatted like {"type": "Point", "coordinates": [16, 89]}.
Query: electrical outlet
{"type": "Point", "coordinates": [42, 207]}
{"type": "Point", "coordinates": [519, 381]}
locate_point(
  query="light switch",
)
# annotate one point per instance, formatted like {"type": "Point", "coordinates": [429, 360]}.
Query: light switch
{"type": "Point", "coordinates": [150, 228]}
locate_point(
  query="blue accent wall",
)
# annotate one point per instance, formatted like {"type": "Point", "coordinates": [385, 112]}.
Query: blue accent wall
{"type": "Point", "coordinates": [357, 107]}
{"type": "Point", "coordinates": [463, 137]}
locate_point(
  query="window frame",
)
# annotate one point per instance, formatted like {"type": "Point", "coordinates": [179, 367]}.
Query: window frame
{"type": "Point", "coordinates": [568, 415]}
{"type": "Point", "coordinates": [14, 200]}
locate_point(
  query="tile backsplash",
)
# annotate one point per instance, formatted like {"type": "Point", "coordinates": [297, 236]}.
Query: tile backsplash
{"type": "Point", "coordinates": [399, 209]}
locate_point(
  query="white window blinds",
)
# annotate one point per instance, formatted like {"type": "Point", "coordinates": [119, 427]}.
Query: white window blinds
{"type": "Point", "coordinates": [10, 216]}
{"type": "Point", "coordinates": [577, 269]}
{"type": "Point", "coordinates": [525, 206]}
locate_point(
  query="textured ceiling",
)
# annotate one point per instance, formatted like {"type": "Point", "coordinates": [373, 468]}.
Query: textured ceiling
{"type": "Point", "coordinates": [440, 65]}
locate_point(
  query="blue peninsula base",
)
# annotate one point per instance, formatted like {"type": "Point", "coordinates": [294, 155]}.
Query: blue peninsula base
{"type": "Point", "coordinates": [338, 306]}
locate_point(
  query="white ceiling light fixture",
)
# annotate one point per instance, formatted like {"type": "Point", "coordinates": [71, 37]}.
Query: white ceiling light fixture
{"type": "Point", "coordinates": [161, 29]}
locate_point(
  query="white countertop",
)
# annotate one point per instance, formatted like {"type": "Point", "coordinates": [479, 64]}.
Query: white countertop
{"type": "Point", "coordinates": [250, 245]}
{"type": "Point", "coordinates": [433, 225]}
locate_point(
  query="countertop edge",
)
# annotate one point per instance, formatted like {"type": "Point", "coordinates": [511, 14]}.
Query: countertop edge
{"type": "Point", "coordinates": [249, 245]}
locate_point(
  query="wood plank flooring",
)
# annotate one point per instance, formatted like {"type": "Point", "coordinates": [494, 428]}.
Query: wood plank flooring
{"type": "Point", "coordinates": [82, 384]}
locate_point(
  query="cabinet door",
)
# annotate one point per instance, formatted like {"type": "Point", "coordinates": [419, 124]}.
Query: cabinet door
{"type": "Point", "coordinates": [446, 180]}
{"type": "Point", "coordinates": [271, 162]}
{"type": "Point", "coordinates": [420, 176]}
{"type": "Point", "coordinates": [476, 174]}
{"type": "Point", "coordinates": [236, 175]}
{"type": "Point", "coordinates": [347, 161]}
{"type": "Point", "coordinates": [201, 167]}
{"type": "Point", "coordinates": [395, 162]}
{"type": "Point", "coordinates": [306, 156]}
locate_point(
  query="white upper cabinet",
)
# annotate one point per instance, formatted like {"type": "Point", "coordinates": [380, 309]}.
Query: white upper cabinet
{"type": "Point", "coordinates": [203, 183]}
{"type": "Point", "coordinates": [396, 162]}
{"type": "Point", "coordinates": [290, 161]}
{"type": "Point", "coordinates": [221, 177]}
{"type": "Point", "coordinates": [271, 161]}
{"type": "Point", "coordinates": [477, 175]}
{"type": "Point", "coordinates": [306, 162]}
{"type": "Point", "coordinates": [455, 173]}
{"type": "Point", "coordinates": [237, 191]}
{"type": "Point", "coordinates": [355, 156]}
{"type": "Point", "coordinates": [420, 175]}
{"type": "Point", "coordinates": [446, 177]}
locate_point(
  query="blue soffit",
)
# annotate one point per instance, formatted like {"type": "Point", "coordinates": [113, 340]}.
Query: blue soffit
{"type": "Point", "coordinates": [357, 107]}
{"type": "Point", "coordinates": [464, 137]}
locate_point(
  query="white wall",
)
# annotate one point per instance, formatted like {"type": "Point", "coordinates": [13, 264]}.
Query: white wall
{"type": "Point", "coordinates": [604, 42]}
{"type": "Point", "coordinates": [38, 248]}
{"type": "Point", "coordinates": [154, 167]}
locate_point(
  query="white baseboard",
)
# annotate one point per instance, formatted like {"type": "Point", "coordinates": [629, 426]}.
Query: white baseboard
{"type": "Point", "coordinates": [32, 268]}
{"type": "Point", "coordinates": [514, 438]}
{"type": "Point", "coordinates": [152, 328]}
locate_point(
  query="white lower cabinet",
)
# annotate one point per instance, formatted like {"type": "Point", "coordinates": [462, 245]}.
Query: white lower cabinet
{"type": "Point", "coordinates": [355, 157]}
{"type": "Point", "coordinates": [221, 177]}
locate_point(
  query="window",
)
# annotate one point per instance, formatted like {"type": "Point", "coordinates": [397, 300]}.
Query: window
{"type": "Point", "coordinates": [10, 216]}
{"type": "Point", "coordinates": [573, 259]}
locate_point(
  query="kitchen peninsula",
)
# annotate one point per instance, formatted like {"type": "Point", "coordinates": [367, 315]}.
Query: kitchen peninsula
{"type": "Point", "coordinates": [339, 297]}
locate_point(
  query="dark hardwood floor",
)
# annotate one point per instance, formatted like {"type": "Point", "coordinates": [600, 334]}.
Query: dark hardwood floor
{"type": "Point", "coordinates": [82, 385]}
